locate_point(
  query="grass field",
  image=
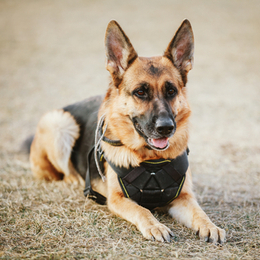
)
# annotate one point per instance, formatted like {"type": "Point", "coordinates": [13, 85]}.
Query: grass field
{"type": "Point", "coordinates": [42, 220]}
{"type": "Point", "coordinates": [52, 54]}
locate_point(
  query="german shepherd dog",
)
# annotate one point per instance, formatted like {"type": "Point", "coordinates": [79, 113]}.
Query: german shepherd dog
{"type": "Point", "coordinates": [144, 117]}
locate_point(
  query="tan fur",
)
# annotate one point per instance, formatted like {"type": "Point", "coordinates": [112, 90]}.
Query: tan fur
{"type": "Point", "coordinates": [51, 148]}
{"type": "Point", "coordinates": [186, 210]}
{"type": "Point", "coordinates": [57, 132]}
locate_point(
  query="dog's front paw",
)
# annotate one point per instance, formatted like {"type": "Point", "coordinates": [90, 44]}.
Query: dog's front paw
{"type": "Point", "coordinates": [73, 179]}
{"type": "Point", "coordinates": [211, 233]}
{"type": "Point", "coordinates": [157, 232]}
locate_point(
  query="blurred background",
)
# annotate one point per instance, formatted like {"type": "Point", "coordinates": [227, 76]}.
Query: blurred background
{"type": "Point", "coordinates": [52, 54]}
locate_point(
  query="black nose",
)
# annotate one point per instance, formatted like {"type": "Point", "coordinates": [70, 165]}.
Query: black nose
{"type": "Point", "coordinates": [164, 127]}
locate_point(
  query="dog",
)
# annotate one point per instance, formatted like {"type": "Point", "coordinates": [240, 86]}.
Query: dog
{"type": "Point", "coordinates": [130, 145]}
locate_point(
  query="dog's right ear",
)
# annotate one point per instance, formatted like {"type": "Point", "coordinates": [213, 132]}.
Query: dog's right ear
{"type": "Point", "coordinates": [119, 50]}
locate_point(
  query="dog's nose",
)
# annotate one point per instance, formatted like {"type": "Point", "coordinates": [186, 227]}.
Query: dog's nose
{"type": "Point", "coordinates": [164, 127]}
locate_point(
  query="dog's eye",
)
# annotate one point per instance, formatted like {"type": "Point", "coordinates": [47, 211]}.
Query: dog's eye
{"type": "Point", "coordinates": [170, 89]}
{"type": "Point", "coordinates": [140, 92]}
{"type": "Point", "coordinates": [171, 92]}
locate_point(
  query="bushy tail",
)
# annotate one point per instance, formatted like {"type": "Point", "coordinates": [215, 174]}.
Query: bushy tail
{"type": "Point", "coordinates": [26, 145]}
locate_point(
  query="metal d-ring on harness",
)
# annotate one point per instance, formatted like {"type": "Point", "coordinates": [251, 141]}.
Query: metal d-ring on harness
{"type": "Point", "coordinates": [154, 183]}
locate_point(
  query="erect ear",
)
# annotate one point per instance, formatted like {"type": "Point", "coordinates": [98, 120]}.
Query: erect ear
{"type": "Point", "coordinates": [181, 48]}
{"type": "Point", "coordinates": [119, 50]}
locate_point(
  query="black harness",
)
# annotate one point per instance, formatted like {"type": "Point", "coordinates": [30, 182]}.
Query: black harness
{"type": "Point", "coordinates": [154, 183]}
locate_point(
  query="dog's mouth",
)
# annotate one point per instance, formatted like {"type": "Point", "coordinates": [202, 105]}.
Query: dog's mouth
{"type": "Point", "coordinates": [159, 144]}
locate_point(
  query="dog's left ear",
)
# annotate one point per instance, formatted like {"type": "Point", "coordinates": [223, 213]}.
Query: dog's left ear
{"type": "Point", "coordinates": [181, 48]}
{"type": "Point", "coordinates": [119, 50]}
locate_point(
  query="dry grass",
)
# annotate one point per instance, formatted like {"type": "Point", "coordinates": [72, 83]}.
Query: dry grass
{"type": "Point", "coordinates": [52, 54]}
{"type": "Point", "coordinates": [42, 220]}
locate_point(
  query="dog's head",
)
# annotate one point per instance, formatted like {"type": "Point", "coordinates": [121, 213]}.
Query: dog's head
{"type": "Point", "coordinates": [149, 94]}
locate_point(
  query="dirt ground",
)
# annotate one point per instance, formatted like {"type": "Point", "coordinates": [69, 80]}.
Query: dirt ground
{"type": "Point", "coordinates": [52, 54]}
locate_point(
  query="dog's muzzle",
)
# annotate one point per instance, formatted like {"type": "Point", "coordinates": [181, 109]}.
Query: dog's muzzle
{"type": "Point", "coordinates": [158, 139]}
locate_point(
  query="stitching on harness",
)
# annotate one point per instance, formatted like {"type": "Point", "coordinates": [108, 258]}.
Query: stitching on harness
{"type": "Point", "coordinates": [157, 162]}
{"type": "Point", "coordinates": [178, 191]}
{"type": "Point", "coordinates": [124, 187]}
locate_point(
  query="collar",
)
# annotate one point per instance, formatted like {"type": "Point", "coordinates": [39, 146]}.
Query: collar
{"type": "Point", "coordinates": [110, 141]}
{"type": "Point", "coordinates": [105, 139]}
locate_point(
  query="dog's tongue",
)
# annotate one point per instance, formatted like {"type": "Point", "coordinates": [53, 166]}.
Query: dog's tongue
{"type": "Point", "coordinates": [160, 143]}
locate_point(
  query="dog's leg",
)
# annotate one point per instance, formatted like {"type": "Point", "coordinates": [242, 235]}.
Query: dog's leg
{"type": "Point", "coordinates": [186, 210]}
{"type": "Point", "coordinates": [51, 148]}
{"type": "Point", "coordinates": [41, 167]}
{"type": "Point", "coordinates": [142, 218]}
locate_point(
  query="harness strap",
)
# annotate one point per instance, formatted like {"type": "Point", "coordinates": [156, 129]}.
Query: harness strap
{"type": "Point", "coordinates": [172, 172]}
{"type": "Point", "coordinates": [88, 191]}
{"type": "Point", "coordinates": [132, 175]}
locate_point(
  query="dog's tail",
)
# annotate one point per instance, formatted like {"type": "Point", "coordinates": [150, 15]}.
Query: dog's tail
{"type": "Point", "coordinates": [26, 145]}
